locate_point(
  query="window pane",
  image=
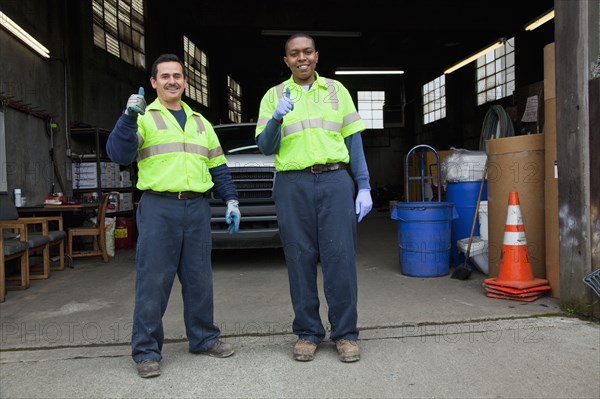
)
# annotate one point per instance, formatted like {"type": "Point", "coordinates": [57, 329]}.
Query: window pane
{"type": "Point", "coordinates": [480, 73]}
{"type": "Point", "coordinates": [99, 39]}
{"type": "Point", "coordinates": [510, 59]}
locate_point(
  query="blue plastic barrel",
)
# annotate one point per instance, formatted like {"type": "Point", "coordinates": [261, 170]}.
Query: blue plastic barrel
{"type": "Point", "coordinates": [424, 237]}
{"type": "Point", "coordinates": [464, 197]}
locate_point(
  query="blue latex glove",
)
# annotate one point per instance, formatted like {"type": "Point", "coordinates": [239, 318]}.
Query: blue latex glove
{"type": "Point", "coordinates": [284, 106]}
{"type": "Point", "coordinates": [364, 203]}
{"type": "Point", "coordinates": [233, 216]}
{"type": "Point", "coordinates": [136, 104]}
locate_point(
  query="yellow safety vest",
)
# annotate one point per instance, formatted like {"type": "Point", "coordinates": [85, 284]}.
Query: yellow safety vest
{"type": "Point", "coordinates": [314, 131]}
{"type": "Point", "coordinates": [172, 159]}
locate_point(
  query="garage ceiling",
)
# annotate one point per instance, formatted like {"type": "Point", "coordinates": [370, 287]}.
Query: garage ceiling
{"type": "Point", "coordinates": [422, 36]}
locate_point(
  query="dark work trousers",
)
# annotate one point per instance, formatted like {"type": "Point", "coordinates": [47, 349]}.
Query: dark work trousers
{"type": "Point", "coordinates": [174, 239]}
{"type": "Point", "coordinates": [317, 223]}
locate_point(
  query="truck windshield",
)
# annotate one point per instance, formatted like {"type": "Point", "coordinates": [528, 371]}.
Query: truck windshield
{"type": "Point", "coordinates": [237, 139]}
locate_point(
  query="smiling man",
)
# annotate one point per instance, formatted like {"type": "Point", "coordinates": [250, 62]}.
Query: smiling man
{"type": "Point", "coordinates": [311, 124]}
{"type": "Point", "coordinates": [179, 161]}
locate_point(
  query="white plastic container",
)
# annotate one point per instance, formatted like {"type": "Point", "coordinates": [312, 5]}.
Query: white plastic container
{"type": "Point", "coordinates": [478, 252]}
{"type": "Point", "coordinates": [462, 165]}
{"type": "Point", "coordinates": [18, 201]}
{"type": "Point", "coordinates": [113, 202]}
{"type": "Point", "coordinates": [483, 220]}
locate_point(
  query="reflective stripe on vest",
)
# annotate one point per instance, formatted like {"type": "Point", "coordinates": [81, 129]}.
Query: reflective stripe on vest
{"type": "Point", "coordinates": [311, 124]}
{"type": "Point", "coordinates": [332, 94]}
{"type": "Point", "coordinates": [167, 148]}
{"type": "Point", "coordinates": [158, 119]}
{"type": "Point", "coordinates": [316, 123]}
{"type": "Point", "coordinates": [351, 118]}
{"type": "Point", "coordinates": [200, 124]}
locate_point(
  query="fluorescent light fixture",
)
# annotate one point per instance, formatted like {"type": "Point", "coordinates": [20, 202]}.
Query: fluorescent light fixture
{"type": "Point", "coordinates": [25, 37]}
{"type": "Point", "coordinates": [542, 19]}
{"type": "Point", "coordinates": [315, 33]}
{"type": "Point", "coordinates": [369, 72]}
{"type": "Point", "coordinates": [471, 58]}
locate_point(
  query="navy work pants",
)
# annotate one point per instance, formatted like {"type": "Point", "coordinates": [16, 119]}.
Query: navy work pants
{"type": "Point", "coordinates": [317, 223]}
{"type": "Point", "coordinates": [174, 239]}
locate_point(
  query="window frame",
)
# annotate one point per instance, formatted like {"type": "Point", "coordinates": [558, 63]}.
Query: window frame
{"type": "Point", "coordinates": [118, 29]}
{"type": "Point", "coordinates": [495, 74]}
{"type": "Point", "coordinates": [195, 62]}
{"type": "Point", "coordinates": [234, 100]}
{"type": "Point", "coordinates": [370, 109]}
{"type": "Point", "coordinates": [433, 95]}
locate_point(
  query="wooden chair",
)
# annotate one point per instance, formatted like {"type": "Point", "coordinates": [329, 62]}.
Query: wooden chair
{"type": "Point", "coordinates": [36, 235]}
{"type": "Point", "coordinates": [13, 247]}
{"type": "Point", "coordinates": [97, 232]}
{"type": "Point", "coordinates": [57, 237]}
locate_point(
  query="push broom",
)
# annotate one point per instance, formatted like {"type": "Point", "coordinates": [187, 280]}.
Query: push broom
{"type": "Point", "coordinates": [463, 272]}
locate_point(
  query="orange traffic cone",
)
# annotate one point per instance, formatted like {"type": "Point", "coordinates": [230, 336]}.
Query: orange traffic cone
{"type": "Point", "coordinates": [515, 278]}
{"type": "Point", "coordinates": [515, 298]}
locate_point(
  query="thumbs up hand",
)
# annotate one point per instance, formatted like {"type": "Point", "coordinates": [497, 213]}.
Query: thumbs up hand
{"type": "Point", "coordinates": [136, 104]}
{"type": "Point", "coordinates": [284, 106]}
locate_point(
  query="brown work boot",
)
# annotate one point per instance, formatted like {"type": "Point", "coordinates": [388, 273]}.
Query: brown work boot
{"type": "Point", "coordinates": [348, 350]}
{"type": "Point", "coordinates": [304, 350]}
{"type": "Point", "coordinates": [219, 349]}
{"type": "Point", "coordinates": [148, 368]}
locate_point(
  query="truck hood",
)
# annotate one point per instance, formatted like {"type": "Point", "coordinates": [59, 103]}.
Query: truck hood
{"type": "Point", "coordinates": [250, 160]}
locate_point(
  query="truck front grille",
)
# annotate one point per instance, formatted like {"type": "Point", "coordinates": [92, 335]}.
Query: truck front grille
{"type": "Point", "coordinates": [253, 184]}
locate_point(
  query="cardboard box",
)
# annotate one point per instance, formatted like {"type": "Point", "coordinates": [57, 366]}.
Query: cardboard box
{"type": "Point", "coordinates": [551, 183]}
{"type": "Point", "coordinates": [552, 242]}
{"type": "Point", "coordinates": [517, 164]}
{"type": "Point", "coordinates": [549, 72]}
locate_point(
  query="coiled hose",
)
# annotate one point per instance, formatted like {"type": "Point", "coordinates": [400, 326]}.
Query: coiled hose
{"type": "Point", "coordinates": [496, 124]}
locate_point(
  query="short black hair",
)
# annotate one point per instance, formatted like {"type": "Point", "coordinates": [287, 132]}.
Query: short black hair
{"type": "Point", "coordinates": [167, 58]}
{"type": "Point", "coordinates": [297, 35]}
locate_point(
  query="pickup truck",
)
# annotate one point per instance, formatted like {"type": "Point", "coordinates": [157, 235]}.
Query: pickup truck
{"type": "Point", "coordinates": [254, 176]}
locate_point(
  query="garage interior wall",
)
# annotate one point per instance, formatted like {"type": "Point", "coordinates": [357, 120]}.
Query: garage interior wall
{"type": "Point", "coordinates": [99, 84]}
{"type": "Point", "coordinates": [82, 85]}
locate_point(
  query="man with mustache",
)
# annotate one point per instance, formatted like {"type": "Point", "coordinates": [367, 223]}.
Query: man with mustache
{"type": "Point", "coordinates": [179, 161]}
{"type": "Point", "coordinates": [311, 124]}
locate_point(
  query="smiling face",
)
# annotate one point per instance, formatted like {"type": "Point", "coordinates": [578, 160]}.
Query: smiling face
{"type": "Point", "coordinates": [169, 84]}
{"type": "Point", "coordinates": [301, 57]}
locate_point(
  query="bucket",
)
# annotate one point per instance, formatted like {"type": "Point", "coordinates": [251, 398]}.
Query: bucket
{"type": "Point", "coordinates": [124, 233]}
{"type": "Point", "coordinates": [478, 252]}
{"type": "Point", "coordinates": [424, 237]}
{"type": "Point", "coordinates": [464, 197]}
{"type": "Point", "coordinates": [483, 220]}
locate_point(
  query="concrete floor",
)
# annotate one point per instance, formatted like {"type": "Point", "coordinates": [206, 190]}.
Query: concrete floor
{"type": "Point", "coordinates": [68, 336]}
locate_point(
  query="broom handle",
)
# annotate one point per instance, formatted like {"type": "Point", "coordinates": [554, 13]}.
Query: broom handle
{"type": "Point", "coordinates": [476, 210]}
